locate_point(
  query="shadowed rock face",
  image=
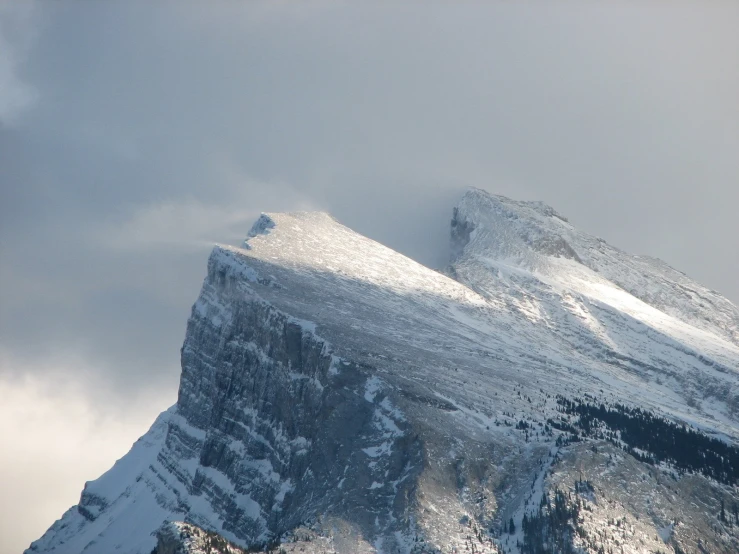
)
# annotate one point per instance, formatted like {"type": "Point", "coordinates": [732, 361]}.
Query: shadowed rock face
{"type": "Point", "coordinates": [286, 423]}
{"type": "Point", "coordinates": [460, 236]}
{"type": "Point", "coordinates": [344, 398]}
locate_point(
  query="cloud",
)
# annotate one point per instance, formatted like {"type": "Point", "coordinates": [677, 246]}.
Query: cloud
{"type": "Point", "coordinates": [190, 223]}
{"type": "Point", "coordinates": [182, 224]}
{"type": "Point", "coordinates": [17, 28]}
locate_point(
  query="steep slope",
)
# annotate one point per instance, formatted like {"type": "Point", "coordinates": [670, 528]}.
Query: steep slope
{"type": "Point", "coordinates": [332, 385]}
{"type": "Point", "coordinates": [533, 236]}
{"type": "Point", "coordinates": [624, 310]}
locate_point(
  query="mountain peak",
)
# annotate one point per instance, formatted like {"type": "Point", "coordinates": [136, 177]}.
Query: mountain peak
{"type": "Point", "coordinates": [497, 232]}
{"type": "Point", "coordinates": [478, 199]}
{"type": "Point", "coordinates": [337, 396]}
{"type": "Point", "coordinates": [261, 226]}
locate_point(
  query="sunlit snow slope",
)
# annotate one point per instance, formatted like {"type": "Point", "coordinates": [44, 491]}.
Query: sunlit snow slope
{"type": "Point", "coordinates": [331, 383]}
{"type": "Point", "coordinates": [632, 317]}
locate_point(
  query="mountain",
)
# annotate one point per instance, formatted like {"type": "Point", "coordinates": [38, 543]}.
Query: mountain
{"type": "Point", "coordinates": [546, 392]}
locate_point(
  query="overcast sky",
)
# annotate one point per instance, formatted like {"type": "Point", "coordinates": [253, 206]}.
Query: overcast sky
{"type": "Point", "coordinates": [133, 136]}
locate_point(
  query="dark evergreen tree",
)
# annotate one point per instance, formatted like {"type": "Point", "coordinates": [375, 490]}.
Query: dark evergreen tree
{"type": "Point", "coordinates": [657, 439]}
{"type": "Point", "coordinates": [552, 529]}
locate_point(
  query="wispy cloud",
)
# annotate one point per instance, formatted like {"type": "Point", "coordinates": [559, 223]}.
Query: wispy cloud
{"type": "Point", "coordinates": [178, 224]}
{"type": "Point", "coordinates": [191, 223]}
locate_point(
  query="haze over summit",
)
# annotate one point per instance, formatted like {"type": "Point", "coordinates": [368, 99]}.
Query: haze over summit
{"type": "Point", "coordinates": [126, 152]}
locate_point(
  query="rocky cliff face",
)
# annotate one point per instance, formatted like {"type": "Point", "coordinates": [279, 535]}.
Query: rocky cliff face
{"type": "Point", "coordinates": [338, 396]}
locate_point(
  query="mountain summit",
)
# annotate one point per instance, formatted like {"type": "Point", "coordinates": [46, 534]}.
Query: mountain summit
{"type": "Point", "coordinates": [544, 393]}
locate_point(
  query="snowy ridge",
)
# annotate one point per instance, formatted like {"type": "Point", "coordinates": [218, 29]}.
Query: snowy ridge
{"type": "Point", "coordinates": [509, 255]}
{"type": "Point", "coordinates": [330, 382]}
{"type": "Point", "coordinates": [533, 236]}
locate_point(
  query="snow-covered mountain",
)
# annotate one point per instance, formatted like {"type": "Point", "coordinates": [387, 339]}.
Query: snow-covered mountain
{"type": "Point", "coordinates": [545, 392]}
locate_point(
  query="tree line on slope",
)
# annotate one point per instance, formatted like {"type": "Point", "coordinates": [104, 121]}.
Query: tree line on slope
{"type": "Point", "coordinates": [651, 438]}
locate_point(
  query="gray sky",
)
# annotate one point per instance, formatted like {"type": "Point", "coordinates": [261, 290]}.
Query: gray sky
{"type": "Point", "coordinates": [134, 136]}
